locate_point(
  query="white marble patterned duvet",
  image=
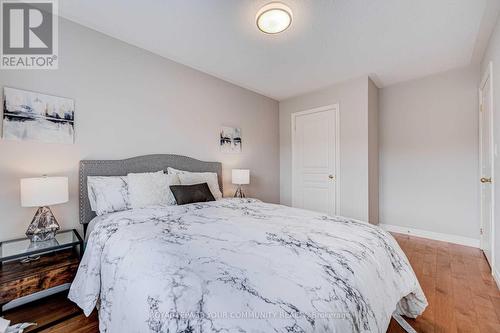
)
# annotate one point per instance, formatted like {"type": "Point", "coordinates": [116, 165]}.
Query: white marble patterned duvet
{"type": "Point", "coordinates": [240, 265]}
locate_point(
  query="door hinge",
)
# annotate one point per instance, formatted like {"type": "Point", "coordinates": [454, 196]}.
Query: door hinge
{"type": "Point", "coordinates": [481, 108]}
{"type": "Point", "coordinates": [481, 231]}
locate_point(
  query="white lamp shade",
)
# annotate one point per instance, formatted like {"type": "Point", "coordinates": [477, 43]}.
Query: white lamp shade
{"type": "Point", "coordinates": [241, 176]}
{"type": "Point", "coordinates": [44, 191]}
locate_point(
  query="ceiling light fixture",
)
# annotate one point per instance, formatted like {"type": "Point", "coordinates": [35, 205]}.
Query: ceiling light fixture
{"type": "Point", "coordinates": [274, 18]}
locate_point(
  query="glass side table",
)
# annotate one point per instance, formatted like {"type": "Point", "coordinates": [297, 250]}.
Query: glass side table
{"type": "Point", "coordinates": [26, 250]}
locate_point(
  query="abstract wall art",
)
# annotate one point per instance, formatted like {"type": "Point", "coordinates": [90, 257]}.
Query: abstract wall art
{"type": "Point", "coordinates": [34, 116]}
{"type": "Point", "coordinates": [230, 139]}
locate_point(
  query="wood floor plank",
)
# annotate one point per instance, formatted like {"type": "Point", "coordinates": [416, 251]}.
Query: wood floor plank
{"type": "Point", "coordinates": [486, 327]}
{"type": "Point", "coordinates": [44, 312]}
{"type": "Point", "coordinates": [464, 311]}
{"type": "Point", "coordinates": [495, 301]}
{"type": "Point", "coordinates": [78, 324]}
{"type": "Point", "coordinates": [444, 314]}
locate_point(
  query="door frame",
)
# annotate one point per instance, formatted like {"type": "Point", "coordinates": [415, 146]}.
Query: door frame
{"type": "Point", "coordinates": [488, 75]}
{"type": "Point", "coordinates": [294, 115]}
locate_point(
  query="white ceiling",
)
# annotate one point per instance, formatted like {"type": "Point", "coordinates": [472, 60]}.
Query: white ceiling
{"type": "Point", "coordinates": [329, 40]}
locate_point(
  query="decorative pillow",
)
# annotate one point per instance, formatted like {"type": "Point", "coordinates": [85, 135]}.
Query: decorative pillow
{"type": "Point", "coordinates": [186, 194]}
{"type": "Point", "coordinates": [191, 178]}
{"type": "Point", "coordinates": [151, 188]}
{"type": "Point", "coordinates": [108, 194]}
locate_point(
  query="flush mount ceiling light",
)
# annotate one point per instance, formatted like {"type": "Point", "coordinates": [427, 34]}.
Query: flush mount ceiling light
{"type": "Point", "coordinates": [274, 18]}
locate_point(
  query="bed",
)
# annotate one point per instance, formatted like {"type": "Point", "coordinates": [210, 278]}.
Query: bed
{"type": "Point", "coordinates": [236, 265]}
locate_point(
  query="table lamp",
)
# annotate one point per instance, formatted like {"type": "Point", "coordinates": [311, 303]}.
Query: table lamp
{"type": "Point", "coordinates": [240, 177]}
{"type": "Point", "coordinates": [42, 192]}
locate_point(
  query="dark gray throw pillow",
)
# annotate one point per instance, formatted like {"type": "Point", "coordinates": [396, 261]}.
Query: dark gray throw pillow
{"type": "Point", "coordinates": [186, 194]}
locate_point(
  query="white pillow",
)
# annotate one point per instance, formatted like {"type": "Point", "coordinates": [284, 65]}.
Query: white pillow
{"type": "Point", "coordinates": [191, 178]}
{"type": "Point", "coordinates": [172, 180]}
{"type": "Point", "coordinates": [108, 194]}
{"type": "Point", "coordinates": [151, 188]}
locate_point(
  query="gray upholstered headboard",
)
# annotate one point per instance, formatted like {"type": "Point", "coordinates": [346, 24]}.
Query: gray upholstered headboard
{"type": "Point", "coordinates": [147, 163]}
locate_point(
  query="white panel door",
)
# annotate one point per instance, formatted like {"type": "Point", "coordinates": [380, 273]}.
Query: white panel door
{"type": "Point", "coordinates": [486, 166]}
{"type": "Point", "coordinates": [314, 160]}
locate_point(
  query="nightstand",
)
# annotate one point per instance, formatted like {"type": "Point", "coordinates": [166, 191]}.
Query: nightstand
{"type": "Point", "coordinates": [29, 267]}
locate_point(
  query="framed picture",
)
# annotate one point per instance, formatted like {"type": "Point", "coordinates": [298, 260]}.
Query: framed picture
{"type": "Point", "coordinates": [230, 139]}
{"type": "Point", "coordinates": [33, 116]}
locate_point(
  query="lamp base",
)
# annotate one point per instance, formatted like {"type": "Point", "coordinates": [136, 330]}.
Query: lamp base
{"type": "Point", "coordinates": [43, 227]}
{"type": "Point", "coordinates": [239, 193]}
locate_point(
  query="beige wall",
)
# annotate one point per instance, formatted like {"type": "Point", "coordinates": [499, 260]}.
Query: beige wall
{"type": "Point", "coordinates": [352, 97]}
{"type": "Point", "coordinates": [130, 102]}
{"type": "Point", "coordinates": [493, 55]}
{"type": "Point", "coordinates": [429, 153]}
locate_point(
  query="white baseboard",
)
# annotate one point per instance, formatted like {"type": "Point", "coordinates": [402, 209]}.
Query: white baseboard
{"type": "Point", "coordinates": [432, 235]}
{"type": "Point", "coordinates": [496, 277]}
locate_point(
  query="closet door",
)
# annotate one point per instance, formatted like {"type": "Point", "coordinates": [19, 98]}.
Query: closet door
{"type": "Point", "coordinates": [315, 160]}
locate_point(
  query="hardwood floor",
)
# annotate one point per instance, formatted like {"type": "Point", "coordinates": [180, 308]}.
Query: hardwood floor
{"type": "Point", "coordinates": [457, 282]}
{"type": "Point", "coordinates": [462, 294]}
{"type": "Point", "coordinates": [54, 314]}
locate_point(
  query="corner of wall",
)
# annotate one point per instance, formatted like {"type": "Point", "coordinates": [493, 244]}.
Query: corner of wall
{"type": "Point", "coordinates": [373, 153]}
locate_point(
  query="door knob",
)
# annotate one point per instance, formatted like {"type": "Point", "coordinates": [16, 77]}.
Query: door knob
{"type": "Point", "coordinates": [485, 180]}
{"type": "Point", "coordinates": [332, 177]}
